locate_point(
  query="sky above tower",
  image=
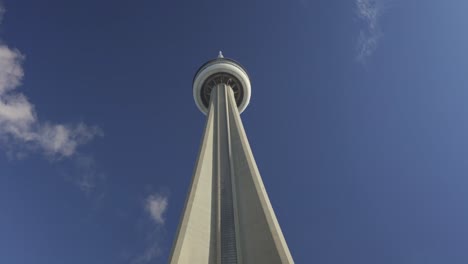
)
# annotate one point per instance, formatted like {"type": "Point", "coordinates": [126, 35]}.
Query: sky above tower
{"type": "Point", "coordinates": [357, 121]}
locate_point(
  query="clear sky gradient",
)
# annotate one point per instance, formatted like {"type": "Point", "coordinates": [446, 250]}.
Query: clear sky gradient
{"type": "Point", "coordinates": [358, 122]}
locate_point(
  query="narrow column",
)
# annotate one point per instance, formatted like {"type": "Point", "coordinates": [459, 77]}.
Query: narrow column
{"type": "Point", "coordinates": [226, 224]}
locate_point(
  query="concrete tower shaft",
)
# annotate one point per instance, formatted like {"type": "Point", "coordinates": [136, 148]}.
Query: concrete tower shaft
{"type": "Point", "coordinates": [228, 218]}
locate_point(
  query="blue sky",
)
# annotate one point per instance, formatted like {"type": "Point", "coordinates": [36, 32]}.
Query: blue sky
{"type": "Point", "coordinates": [358, 122]}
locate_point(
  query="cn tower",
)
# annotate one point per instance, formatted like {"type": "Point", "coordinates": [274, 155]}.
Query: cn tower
{"type": "Point", "coordinates": [227, 218]}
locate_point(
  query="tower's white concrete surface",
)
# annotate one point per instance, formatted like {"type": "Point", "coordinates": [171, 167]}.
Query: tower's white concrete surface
{"type": "Point", "coordinates": [228, 218]}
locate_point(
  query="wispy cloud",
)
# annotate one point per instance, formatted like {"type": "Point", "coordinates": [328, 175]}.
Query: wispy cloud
{"type": "Point", "coordinates": [151, 252]}
{"type": "Point", "coordinates": [155, 206]}
{"type": "Point", "coordinates": [21, 131]}
{"type": "Point", "coordinates": [369, 12]}
{"type": "Point", "coordinates": [19, 122]}
{"type": "Point", "coordinates": [84, 172]}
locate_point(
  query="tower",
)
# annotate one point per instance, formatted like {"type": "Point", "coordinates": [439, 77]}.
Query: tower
{"type": "Point", "coordinates": [228, 218]}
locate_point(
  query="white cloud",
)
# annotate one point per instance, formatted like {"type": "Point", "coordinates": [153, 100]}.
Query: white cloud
{"type": "Point", "coordinates": [156, 206]}
{"type": "Point", "coordinates": [88, 176]}
{"type": "Point", "coordinates": [11, 71]}
{"type": "Point", "coordinates": [369, 12]}
{"type": "Point", "coordinates": [19, 123]}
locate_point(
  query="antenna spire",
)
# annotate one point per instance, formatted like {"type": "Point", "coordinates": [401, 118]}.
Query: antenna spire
{"type": "Point", "coordinates": [220, 55]}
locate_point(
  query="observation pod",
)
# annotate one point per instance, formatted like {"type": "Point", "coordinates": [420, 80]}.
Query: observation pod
{"type": "Point", "coordinates": [228, 217]}
{"type": "Point", "coordinates": [221, 71]}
